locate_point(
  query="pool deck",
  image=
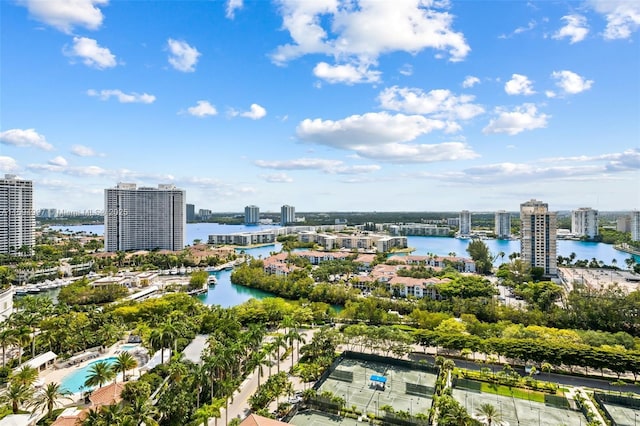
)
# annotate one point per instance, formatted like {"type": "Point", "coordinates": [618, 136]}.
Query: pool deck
{"type": "Point", "coordinates": [55, 375]}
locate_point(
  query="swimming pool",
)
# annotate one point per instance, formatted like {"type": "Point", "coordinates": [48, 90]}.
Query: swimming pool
{"type": "Point", "coordinates": [129, 346]}
{"type": "Point", "coordinates": [74, 381]}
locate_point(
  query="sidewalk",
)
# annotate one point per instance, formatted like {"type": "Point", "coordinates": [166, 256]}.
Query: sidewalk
{"type": "Point", "coordinates": [239, 403]}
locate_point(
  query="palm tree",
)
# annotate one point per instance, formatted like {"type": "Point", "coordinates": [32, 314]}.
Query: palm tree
{"type": "Point", "coordinates": [93, 418]}
{"type": "Point", "coordinates": [280, 341]}
{"type": "Point", "coordinates": [269, 348]}
{"type": "Point", "coordinates": [26, 375]}
{"type": "Point", "coordinates": [124, 362]}
{"type": "Point", "coordinates": [23, 336]}
{"type": "Point", "coordinates": [142, 412]}
{"type": "Point", "coordinates": [99, 374]}
{"type": "Point", "coordinates": [112, 414]}
{"type": "Point", "coordinates": [205, 412]}
{"type": "Point", "coordinates": [489, 413]}
{"type": "Point", "coordinates": [456, 415]}
{"type": "Point", "coordinates": [294, 336]}
{"type": "Point", "coordinates": [156, 341]}
{"type": "Point", "coordinates": [49, 397]}
{"type": "Point", "coordinates": [16, 395]}
{"type": "Point", "coordinates": [7, 338]}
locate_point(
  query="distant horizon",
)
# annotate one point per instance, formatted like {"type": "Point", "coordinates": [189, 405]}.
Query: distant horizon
{"type": "Point", "coordinates": [300, 213]}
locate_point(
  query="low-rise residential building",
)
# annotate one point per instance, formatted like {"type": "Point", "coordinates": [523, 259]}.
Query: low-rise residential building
{"type": "Point", "coordinates": [6, 303]}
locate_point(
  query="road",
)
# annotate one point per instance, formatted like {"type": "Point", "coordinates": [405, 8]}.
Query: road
{"type": "Point", "coordinates": [239, 406]}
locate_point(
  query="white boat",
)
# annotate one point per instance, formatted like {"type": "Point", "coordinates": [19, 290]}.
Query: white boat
{"type": "Point", "coordinates": [174, 271]}
{"type": "Point", "coordinates": [212, 280]}
{"type": "Point", "coordinates": [182, 270]}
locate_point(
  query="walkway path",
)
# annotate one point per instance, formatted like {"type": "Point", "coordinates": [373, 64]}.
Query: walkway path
{"type": "Point", "coordinates": [239, 405]}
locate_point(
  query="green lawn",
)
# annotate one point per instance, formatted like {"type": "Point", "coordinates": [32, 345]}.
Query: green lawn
{"type": "Point", "coordinates": [513, 392]}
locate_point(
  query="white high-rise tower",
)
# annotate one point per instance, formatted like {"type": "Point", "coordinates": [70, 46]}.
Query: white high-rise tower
{"type": "Point", "coordinates": [538, 229]}
{"type": "Point", "coordinates": [17, 216]}
{"type": "Point", "coordinates": [144, 218]}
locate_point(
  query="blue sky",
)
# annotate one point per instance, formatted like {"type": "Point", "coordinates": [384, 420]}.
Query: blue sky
{"type": "Point", "coordinates": [339, 105]}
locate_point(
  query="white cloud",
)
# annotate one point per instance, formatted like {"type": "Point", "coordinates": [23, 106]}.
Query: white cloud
{"type": "Point", "coordinates": [8, 164]}
{"type": "Point", "coordinates": [277, 178]}
{"type": "Point", "coordinates": [92, 54]}
{"type": "Point", "coordinates": [182, 57]}
{"type": "Point", "coordinates": [358, 32]}
{"type": "Point", "coordinates": [125, 98]}
{"type": "Point", "coordinates": [382, 136]}
{"type": "Point", "coordinates": [232, 6]}
{"type": "Point", "coordinates": [324, 165]}
{"type": "Point", "coordinates": [349, 74]}
{"type": "Point", "coordinates": [25, 138]}
{"type": "Point", "coordinates": [575, 28]}
{"type": "Point", "coordinates": [530, 25]}
{"type": "Point", "coordinates": [439, 103]}
{"type": "Point", "coordinates": [519, 85]}
{"type": "Point", "coordinates": [80, 171]}
{"type": "Point", "coordinates": [570, 82]}
{"type": "Point", "coordinates": [406, 69]}
{"type": "Point", "coordinates": [84, 151]}
{"type": "Point", "coordinates": [559, 168]}
{"type": "Point", "coordinates": [623, 17]}
{"type": "Point", "coordinates": [524, 117]}
{"type": "Point", "coordinates": [256, 112]}
{"type": "Point", "coordinates": [550, 94]}
{"type": "Point", "coordinates": [58, 161]}
{"type": "Point", "coordinates": [66, 14]}
{"type": "Point", "coordinates": [202, 109]}
{"type": "Point", "coordinates": [470, 81]}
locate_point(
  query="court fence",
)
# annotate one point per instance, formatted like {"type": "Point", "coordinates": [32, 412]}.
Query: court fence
{"type": "Point", "coordinates": [606, 398]}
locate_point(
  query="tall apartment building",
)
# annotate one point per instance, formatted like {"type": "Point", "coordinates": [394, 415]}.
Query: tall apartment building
{"type": "Point", "coordinates": [251, 215]}
{"type": "Point", "coordinates": [635, 225]}
{"type": "Point", "coordinates": [502, 226]}
{"type": "Point", "coordinates": [465, 223]}
{"type": "Point", "coordinates": [623, 224]}
{"type": "Point", "coordinates": [584, 222]}
{"type": "Point", "coordinates": [538, 228]}
{"type": "Point", "coordinates": [17, 216]}
{"type": "Point", "coordinates": [287, 215]}
{"type": "Point", "coordinates": [144, 218]}
{"type": "Point", "coordinates": [191, 213]}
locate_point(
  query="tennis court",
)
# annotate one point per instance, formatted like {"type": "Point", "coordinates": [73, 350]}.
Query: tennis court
{"type": "Point", "coordinates": [623, 416]}
{"type": "Point", "coordinates": [317, 418]}
{"type": "Point", "coordinates": [371, 385]}
{"type": "Point", "coordinates": [515, 411]}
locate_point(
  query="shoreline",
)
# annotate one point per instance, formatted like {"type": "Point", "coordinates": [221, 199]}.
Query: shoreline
{"type": "Point", "coordinates": [626, 249]}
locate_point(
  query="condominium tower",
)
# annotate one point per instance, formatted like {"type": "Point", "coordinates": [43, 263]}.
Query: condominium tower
{"type": "Point", "coordinates": [17, 216]}
{"type": "Point", "coordinates": [191, 213]}
{"type": "Point", "coordinates": [287, 215]}
{"type": "Point", "coordinates": [144, 218]}
{"type": "Point", "coordinates": [502, 227]}
{"type": "Point", "coordinates": [584, 222]}
{"type": "Point", "coordinates": [465, 223]}
{"type": "Point", "coordinates": [251, 215]}
{"type": "Point", "coordinates": [538, 236]}
{"type": "Point", "coordinates": [635, 225]}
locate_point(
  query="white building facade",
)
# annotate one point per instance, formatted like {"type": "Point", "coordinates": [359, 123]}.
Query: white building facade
{"type": "Point", "coordinates": [287, 215]}
{"type": "Point", "coordinates": [144, 218]}
{"type": "Point", "coordinates": [584, 222]}
{"type": "Point", "coordinates": [635, 225]}
{"type": "Point", "coordinates": [502, 226]}
{"type": "Point", "coordinates": [465, 223]}
{"type": "Point", "coordinates": [251, 215]}
{"type": "Point", "coordinates": [538, 228]}
{"type": "Point", "coordinates": [17, 216]}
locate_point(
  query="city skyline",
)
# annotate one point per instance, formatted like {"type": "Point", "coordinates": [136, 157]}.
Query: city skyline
{"type": "Point", "coordinates": [324, 105]}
